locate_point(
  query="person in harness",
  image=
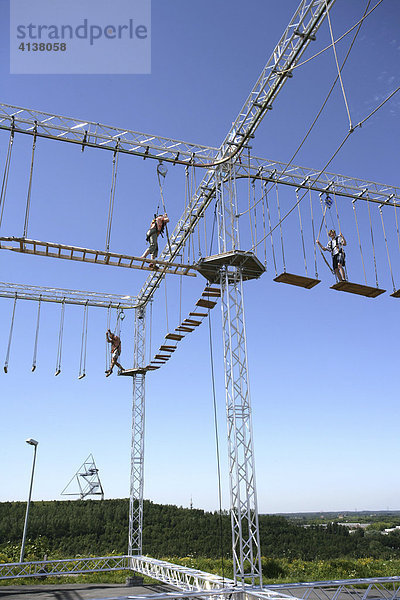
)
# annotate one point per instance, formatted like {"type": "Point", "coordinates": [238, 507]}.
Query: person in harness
{"type": "Point", "coordinates": [156, 228]}
{"type": "Point", "coordinates": [335, 247]}
{"type": "Point", "coordinates": [115, 342]}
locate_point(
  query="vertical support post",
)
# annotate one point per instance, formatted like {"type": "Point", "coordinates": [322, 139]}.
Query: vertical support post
{"type": "Point", "coordinates": [137, 445]}
{"type": "Point", "coordinates": [244, 511]}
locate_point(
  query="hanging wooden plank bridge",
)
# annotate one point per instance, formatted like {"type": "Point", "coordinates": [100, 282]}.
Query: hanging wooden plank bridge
{"type": "Point", "coordinates": [98, 257]}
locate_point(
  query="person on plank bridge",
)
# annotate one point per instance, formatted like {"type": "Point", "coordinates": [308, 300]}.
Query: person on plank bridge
{"type": "Point", "coordinates": [335, 247]}
{"type": "Point", "coordinates": [156, 228]}
{"type": "Point", "coordinates": [115, 342]}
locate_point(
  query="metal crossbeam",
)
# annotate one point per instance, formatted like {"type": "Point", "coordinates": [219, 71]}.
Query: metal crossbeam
{"type": "Point", "coordinates": [64, 296]}
{"type": "Point", "coordinates": [95, 135]}
{"type": "Point", "coordinates": [98, 257]}
{"type": "Point", "coordinates": [306, 178]}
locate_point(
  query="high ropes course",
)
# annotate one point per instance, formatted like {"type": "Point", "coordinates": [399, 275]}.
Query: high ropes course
{"type": "Point", "coordinates": [245, 215]}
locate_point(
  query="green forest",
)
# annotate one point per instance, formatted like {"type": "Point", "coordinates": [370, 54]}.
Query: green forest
{"type": "Point", "coordinates": [293, 548]}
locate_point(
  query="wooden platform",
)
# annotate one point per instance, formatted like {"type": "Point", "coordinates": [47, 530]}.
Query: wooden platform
{"type": "Point", "coordinates": [396, 294]}
{"type": "Point", "coordinates": [298, 280]}
{"type": "Point", "coordinates": [357, 288]}
{"type": "Point", "coordinates": [98, 257]}
{"type": "Point", "coordinates": [249, 264]}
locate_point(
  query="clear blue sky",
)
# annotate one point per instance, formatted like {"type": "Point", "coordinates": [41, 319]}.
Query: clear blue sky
{"type": "Point", "coordinates": [323, 365]}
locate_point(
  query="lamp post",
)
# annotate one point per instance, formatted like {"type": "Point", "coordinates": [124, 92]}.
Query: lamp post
{"type": "Point", "coordinates": [32, 443]}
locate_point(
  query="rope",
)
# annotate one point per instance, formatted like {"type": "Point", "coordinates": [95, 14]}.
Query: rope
{"type": "Point", "coordinates": [387, 249]}
{"type": "Point", "coordinates": [163, 204]}
{"type": "Point", "coordinates": [280, 227]}
{"type": "Point", "coordinates": [337, 64]}
{"type": "Point", "coordinates": [269, 223]}
{"type": "Point", "coordinates": [112, 195]}
{"type": "Point", "coordinates": [372, 240]}
{"type": "Point", "coordinates": [60, 339]}
{"type": "Point", "coordinates": [82, 363]}
{"type": "Point", "coordinates": [359, 242]}
{"type": "Point", "coordinates": [150, 327]}
{"type": "Point", "coordinates": [249, 195]}
{"type": "Point", "coordinates": [301, 231]}
{"type": "Point", "coordinates": [166, 303]}
{"type": "Point", "coordinates": [10, 337]}
{"type": "Point", "coordinates": [6, 172]}
{"type": "Point", "coordinates": [255, 218]}
{"type": "Point", "coordinates": [336, 207]}
{"type": "Point", "coordinates": [264, 230]}
{"type": "Point", "coordinates": [36, 336]}
{"type": "Point", "coordinates": [221, 538]}
{"type": "Point", "coordinates": [108, 326]}
{"type": "Point", "coordinates": [397, 222]}
{"type": "Point", "coordinates": [319, 233]}
{"type": "Point", "coordinates": [313, 233]}
{"type": "Point", "coordinates": [28, 199]}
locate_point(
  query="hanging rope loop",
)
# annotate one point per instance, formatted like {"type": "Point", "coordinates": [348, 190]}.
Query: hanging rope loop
{"type": "Point", "coordinates": [10, 336]}
{"type": "Point", "coordinates": [28, 199]}
{"type": "Point", "coordinates": [112, 193]}
{"type": "Point", "coordinates": [82, 363]}
{"type": "Point", "coordinates": [60, 339]}
{"type": "Point", "coordinates": [6, 170]}
{"type": "Point", "coordinates": [36, 336]}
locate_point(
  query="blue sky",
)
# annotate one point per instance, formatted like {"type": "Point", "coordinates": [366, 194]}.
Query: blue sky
{"type": "Point", "coordinates": [323, 365]}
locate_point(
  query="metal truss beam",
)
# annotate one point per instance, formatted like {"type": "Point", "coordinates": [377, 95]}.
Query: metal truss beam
{"type": "Point", "coordinates": [137, 442]}
{"type": "Point", "coordinates": [95, 135]}
{"type": "Point", "coordinates": [301, 30]}
{"type": "Point", "coordinates": [60, 295]}
{"type": "Point", "coordinates": [306, 178]}
{"type": "Point", "coordinates": [384, 588]}
{"type": "Point", "coordinates": [63, 567]}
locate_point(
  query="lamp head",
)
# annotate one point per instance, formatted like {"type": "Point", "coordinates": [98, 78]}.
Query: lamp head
{"type": "Point", "coordinates": [32, 442]}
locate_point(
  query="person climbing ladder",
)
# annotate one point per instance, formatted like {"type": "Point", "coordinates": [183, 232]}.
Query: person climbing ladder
{"type": "Point", "coordinates": [115, 342]}
{"type": "Point", "coordinates": [156, 228]}
{"type": "Point", "coordinates": [335, 247]}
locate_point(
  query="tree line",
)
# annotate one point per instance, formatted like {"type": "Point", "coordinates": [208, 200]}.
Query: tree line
{"type": "Point", "coordinates": [91, 527]}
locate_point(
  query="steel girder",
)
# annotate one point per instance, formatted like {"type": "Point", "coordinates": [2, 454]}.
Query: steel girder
{"type": "Point", "coordinates": [63, 567]}
{"type": "Point", "coordinates": [137, 444]}
{"type": "Point", "coordinates": [59, 295]}
{"type": "Point", "coordinates": [95, 135]}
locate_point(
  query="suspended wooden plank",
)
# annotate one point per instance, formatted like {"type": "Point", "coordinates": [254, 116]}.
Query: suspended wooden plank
{"type": "Point", "coordinates": [212, 290]}
{"type": "Point", "coordinates": [357, 288]}
{"type": "Point", "coordinates": [298, 280]}
{"type": "Point", "coordinates": [174, 336]}
{"type": "Point", "coordinates": [162, 357]}
{"type": "Point", "coordinates": [396, 294]}
{"type": "Point", "coordinates": [98, 257]}
{"type": "Point", "coordinates": [168, 348]}
{"type": "Point", "coordinates": [197, 314]}
{"type": "Point", "coordinates": [132, 372]}
{"type": "Point", "coordinates": [191, 322]}
{"type": "Point", "coordinates": [186, 329]}
{"type": "Point", "coordinates": [205, 303]}
{"type": "Point", "coordinates": [210, 295]}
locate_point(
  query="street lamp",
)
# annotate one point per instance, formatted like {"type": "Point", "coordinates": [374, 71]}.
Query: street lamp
{"type": "Point", "coordinates": [34, 443]}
